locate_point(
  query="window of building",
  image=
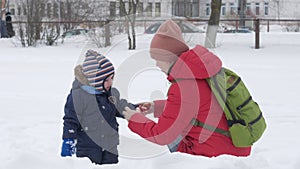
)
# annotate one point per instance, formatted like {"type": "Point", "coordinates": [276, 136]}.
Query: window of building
{"type": "Point", "coordinates": [25, 11]}
{"type": "Point", "coordinates": [178, 8]}
{"type": "Point", "coordinates": [18, 10]}
{"type": "Point", "coordinates": [62, 10]}
{"type": "Point", "coordinates": [248, 7]}
{"type": "Point", "coordinates": [140, 9]}
{"type": "Point", "coordinates": [157, 9]}
{"type": "Point", "coordinates": [195, 8]}
{"type": "Point", "coordinates": [122, 11]}
{"type": "Point", "coordinates": [223, 9]}
{"type": "Point", "coordinates": [256, 8]}
{"type": "Point", "coordinates": [185, 8]}
{"type": "Point", "coordinates": [12, 10]}
{"type": "Point", "coordinates": [149, 9]}
{"type": "Point", "coordinates": [207, 10]}
{"type": "Point", "coordinates": [112, 9]}
{"type": "Point", "coordinates": [43, 9]}
{"type": "Point", "coordinates": [49, 8]}
{"type": "Point", "coordinates": [55, 10]}
{"type": "Point", "coordinates": [232, 9]}
{"type": "Point", "coordinates": [266, 8]}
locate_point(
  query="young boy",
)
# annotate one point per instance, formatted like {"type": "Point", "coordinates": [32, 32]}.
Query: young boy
{"type": "Point", "coordinates": [90, 125]}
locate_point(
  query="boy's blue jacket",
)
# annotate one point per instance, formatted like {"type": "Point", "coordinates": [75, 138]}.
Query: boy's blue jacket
{"type": "Point", "coordinates": [90, 118]}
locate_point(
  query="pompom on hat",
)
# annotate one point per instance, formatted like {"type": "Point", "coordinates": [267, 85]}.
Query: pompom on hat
{"type": "Point", "coordinates": [96, 68]}
{"type": "Point", "coordinates": [168, 43]}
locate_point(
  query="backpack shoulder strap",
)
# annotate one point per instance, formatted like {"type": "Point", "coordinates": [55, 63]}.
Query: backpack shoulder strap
{"type": "Point", "coordinates": [216, 82]}
{"type": "Point", "coordinates": [196, 122]}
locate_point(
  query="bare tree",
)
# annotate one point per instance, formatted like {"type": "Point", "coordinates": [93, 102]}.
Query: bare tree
{"type": "Point", "coordinates": [33, 18]}
{"type": "Point", "coordinates": [33, 29]}
{"type": "Point", "coordinates": [74, 11]}
{"type": "Point", "coordinates": [213, 24]}
{"type": "Point", "coordinates": [130, 17]}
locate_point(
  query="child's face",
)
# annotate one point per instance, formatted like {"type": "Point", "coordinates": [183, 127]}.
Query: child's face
{"type": "Point", "coordinates": [108, 82]}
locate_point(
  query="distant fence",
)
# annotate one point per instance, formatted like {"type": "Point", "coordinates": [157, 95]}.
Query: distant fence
{"type": "Point", "coordinates": [256, 23]}
{"type": "Point", "coordinates": [253, 24]}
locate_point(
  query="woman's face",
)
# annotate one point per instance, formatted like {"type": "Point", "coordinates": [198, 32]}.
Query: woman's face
{"type": "Point", "coordinates": [164, 66]}
{"type": "Point", "coordinates": [108, 82]}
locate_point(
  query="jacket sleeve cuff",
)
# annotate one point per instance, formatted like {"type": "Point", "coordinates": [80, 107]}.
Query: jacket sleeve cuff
{"type": "Point", "coordinates": [69, 134]}
{"type": "Point", "coordinates": [159, 106]}
{"type": "Point", "coordinates": [137, 121]}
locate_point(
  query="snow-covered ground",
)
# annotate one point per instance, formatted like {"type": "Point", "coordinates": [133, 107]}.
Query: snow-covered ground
{"type": "Point", "coordinates": [35, 83]}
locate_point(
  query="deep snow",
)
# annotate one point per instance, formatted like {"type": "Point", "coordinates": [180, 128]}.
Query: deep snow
{"type": "Point", "coordinates": [36, 81]}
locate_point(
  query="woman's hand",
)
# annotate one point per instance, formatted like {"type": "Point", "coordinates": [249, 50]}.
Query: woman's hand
{"type": "Point", "coordinates": [143, 108]}
{"type": "Point", "coordinates": [146, 107]}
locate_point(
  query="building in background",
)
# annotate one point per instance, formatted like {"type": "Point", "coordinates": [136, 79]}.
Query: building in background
{"type": "Point", "coordinates": [150, 9]}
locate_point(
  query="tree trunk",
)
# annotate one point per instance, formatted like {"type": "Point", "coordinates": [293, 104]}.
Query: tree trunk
{"type": "Point", "coordinates": [133, 35]}
{"type": "Point", "coordinates": [107, 33]}
{"type": "Point", "coordinates": [34, 18]}
{"type": "Point", "coordinates": [129, 21]}
{"type": "Point", "coordinates": [213, 24]}
{"type": "Point", "coordinates": [128, 34]}
{"type": "Point", "coordinates": [133, 18]}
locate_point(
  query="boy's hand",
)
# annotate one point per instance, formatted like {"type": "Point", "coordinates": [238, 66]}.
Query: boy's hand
{"type": "Point", "coordinates": [128, 113]}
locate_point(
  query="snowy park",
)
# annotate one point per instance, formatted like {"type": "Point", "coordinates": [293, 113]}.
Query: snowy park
{"type": "Point", "coordinates": [35, 82]}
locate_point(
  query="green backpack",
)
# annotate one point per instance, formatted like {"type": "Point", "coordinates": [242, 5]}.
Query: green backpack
{"type": "Point", "coordinates": [245, 120]}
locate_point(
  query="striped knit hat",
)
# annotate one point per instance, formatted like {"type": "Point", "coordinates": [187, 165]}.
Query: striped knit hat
{"type": "Point", "coordinates": [96, 67]}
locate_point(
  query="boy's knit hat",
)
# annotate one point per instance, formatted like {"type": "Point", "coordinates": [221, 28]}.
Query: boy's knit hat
{"type": "Point", "coordinates": [168, 43]}
{"type": "Point", "coordinates": [96, 67]}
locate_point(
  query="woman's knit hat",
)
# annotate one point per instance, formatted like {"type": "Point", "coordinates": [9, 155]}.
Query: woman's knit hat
{"type": "Point", "coordinates": [97, 68]}
{"type": "Point", "coordinates": [168, 43]}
